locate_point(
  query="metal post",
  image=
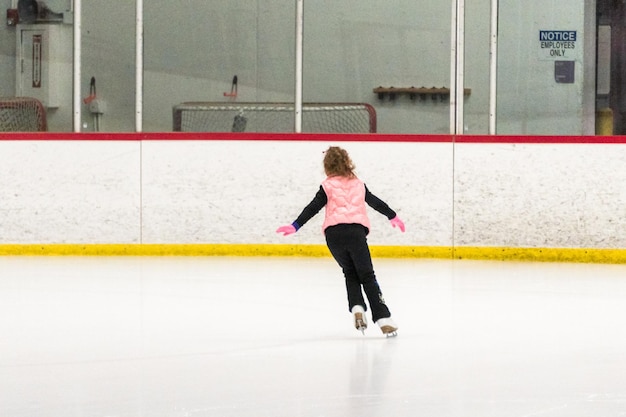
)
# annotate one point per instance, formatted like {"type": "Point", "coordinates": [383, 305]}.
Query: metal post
{"type": "Point", "coordinates": [298, 75]}
{"type": "Point", "coordinates": [457, 67]}
{"type": "Point", "coordinates": [76, 61]}
{"type": "Point", "coordinates": [460, 67]}
{"type": "Point", "coordinates": [493, 67]}
{"type": "Point", "coordinates": [453, 47]}
{"type": "Point", "coordinates": [139, 66]}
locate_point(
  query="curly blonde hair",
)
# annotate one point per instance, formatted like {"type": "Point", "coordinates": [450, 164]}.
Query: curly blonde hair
{"type": "Point", "coordinates": [337, 162]}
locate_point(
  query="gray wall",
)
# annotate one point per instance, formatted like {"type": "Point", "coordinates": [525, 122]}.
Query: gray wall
{"type": "Point", "coordinates": [193, 48]}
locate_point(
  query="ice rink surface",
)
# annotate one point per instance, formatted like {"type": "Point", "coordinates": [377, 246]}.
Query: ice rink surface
{"type": "Point", "coordinates": [256, 337]}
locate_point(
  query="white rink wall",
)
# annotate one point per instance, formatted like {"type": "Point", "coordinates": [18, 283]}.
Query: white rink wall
{"type": "Point", "coordinates": [239, 192]}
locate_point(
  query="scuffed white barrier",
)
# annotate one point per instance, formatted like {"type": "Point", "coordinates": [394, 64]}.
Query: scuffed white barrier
{"type": "Point", "coordinates": [191, 191]}
{"type": "Point", "coordinates": [540, 195]}
{"type": "Point", "coordinates": [70, 192]}
{"type": "Point", "coordinates": [240, 192]}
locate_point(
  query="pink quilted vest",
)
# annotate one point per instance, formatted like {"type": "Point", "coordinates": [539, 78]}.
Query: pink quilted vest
{"type": "Point", "coordinates": [346, 202]}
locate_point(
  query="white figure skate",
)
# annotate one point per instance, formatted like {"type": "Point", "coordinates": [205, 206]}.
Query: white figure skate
{"type": "Point", "coordinates": [360, 321]}
{"type": "Point", "coordinates": [388, 327]}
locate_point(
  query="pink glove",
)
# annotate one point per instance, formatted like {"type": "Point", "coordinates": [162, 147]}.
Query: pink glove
{"type": "Point", "coordinates": [396, 222]}
{"type": "Point", "coordinates": [286, 230]}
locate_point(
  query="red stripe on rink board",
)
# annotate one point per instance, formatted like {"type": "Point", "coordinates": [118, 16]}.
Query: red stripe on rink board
{"type": "Point", "coordinates": [311, 137]}
{"type": "Point", "coordinates": [538, 139]}
{"type": "Point", "coordinates": [164, 136]}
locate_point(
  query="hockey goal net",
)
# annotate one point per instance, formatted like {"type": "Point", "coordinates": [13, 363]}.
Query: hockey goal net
{"type": "Point", "coordinates": [274, 117]}
{"type": "Point", "coordinates": [22, 114]}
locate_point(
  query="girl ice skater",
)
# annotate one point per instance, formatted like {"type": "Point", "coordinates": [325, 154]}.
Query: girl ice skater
{"type": "Point", "coordinates": [346, 226]}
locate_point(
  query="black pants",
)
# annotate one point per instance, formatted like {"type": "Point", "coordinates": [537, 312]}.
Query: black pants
{"type": "Point", "coordinates": [348, 245]}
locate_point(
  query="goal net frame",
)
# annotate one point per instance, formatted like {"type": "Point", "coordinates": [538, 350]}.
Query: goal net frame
{"type": "Point", "coordinates": [22, 114]}
{"type": "Point", "coordinates": [247, 116]}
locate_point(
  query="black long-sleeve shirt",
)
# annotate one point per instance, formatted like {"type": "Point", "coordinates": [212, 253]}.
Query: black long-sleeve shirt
{"type": "Point", "coordinates": [320, 200]}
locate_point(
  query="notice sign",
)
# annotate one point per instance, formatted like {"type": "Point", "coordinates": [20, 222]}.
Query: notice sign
{"type": "Point", "coordinates": [558, 44]}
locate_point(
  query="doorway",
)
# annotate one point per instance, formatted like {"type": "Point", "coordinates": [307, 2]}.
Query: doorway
{"type": "Point", "coordinates": [612, 14]}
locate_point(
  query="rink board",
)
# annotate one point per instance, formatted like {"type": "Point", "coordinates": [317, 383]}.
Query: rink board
{"type": "Point", "coordinates": [470, 196]}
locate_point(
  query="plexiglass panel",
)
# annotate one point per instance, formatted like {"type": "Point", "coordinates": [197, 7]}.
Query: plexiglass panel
{"type": "Point", "coordinates": [393, 56]}
{"type": "Point", "coordinates": [352, 49]}
{"type": "Point", "coordinates": [546, 59]}
{"type": "Point", "coordinates": [108, 61]}
{"type": "Point", "coordinates": [225, 52]}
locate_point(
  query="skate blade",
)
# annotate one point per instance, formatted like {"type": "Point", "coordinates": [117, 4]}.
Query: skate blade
{"type": "Point", "coordinates": [389, 331]}
{"type": "Point", "coordinates": [359, 322]}
{"type": "Point", "coordinates": [361, 326]}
